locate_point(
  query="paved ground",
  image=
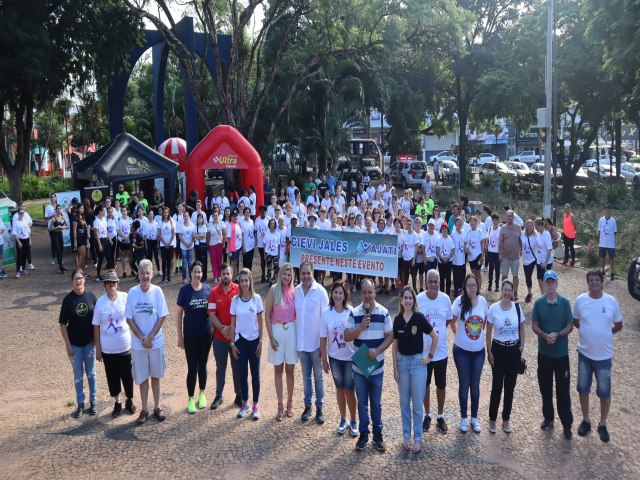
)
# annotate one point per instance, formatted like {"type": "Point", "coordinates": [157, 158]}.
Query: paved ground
{"type": "Point", "coordinates": [39, 438]}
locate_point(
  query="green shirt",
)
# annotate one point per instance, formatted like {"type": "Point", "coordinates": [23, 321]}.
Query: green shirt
{"type": "Point", "coordinates": [308, 187]}
{"type": "Point", "coordinates": [145, 205]}
{"type": "Point", "coordinates": [124, 198]}
{"type": "Point", "coordinates": [422, 212]}
{"type": "Point", "coordinates": [428, 203]}
{"type": "Point", "coordinates": [552, 317]}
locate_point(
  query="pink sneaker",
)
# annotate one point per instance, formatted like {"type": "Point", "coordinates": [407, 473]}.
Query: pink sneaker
{"type": "Point", "coordinates": [255, 414]}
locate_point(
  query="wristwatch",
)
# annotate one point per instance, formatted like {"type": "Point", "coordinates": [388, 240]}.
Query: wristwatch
{"type": "Point", "coordinates": [430, 355]}
{"type": "Point", "coordinates": [233, 344]}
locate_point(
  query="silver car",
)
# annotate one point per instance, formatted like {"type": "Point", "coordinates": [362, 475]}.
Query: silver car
{"type": "Point", "coordinates": [5, 201]}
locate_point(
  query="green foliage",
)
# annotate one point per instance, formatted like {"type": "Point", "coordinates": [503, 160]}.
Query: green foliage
{"type": "Point", "coordinates": [34, 188]}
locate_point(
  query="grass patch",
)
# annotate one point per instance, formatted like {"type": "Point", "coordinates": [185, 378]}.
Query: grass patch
{"type": "Point", "coordinates": [35, 208]}
{"type": "Point", "coordinates": [71, 403]}
{"type": "Point", "coordinates": [625, 410]}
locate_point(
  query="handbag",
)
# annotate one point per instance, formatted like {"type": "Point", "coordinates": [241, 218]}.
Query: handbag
{"type": "Point", "coordinates": [522, 368]}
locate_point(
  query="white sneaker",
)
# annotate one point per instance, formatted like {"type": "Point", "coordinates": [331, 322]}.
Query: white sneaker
{"type": "Point", "coordinates": [244, 409]}
{"type": "Point", "coordinates": [255, 412]}
{"type": "Point", "coordinates": [463, 425]}
{"type": "Point", "coordinates": [475, 425]}
{"type": "Point", "coordinates": [31, 267]}
{"type": "Point", "coordinates": [53, 261]}
{"type": "Point", "coordinates": [484, 269]}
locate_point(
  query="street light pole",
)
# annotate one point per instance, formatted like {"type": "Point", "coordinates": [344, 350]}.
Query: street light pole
{"type": "Point", "coordinates": [549, 93]}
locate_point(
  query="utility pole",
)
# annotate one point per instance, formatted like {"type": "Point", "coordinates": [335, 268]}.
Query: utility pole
{"type": "Point", "coordinates": [549, 115]}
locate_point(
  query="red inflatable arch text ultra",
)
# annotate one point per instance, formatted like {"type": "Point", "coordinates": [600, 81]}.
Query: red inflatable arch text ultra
{"type": "Point", "coordinates": [225, 148]}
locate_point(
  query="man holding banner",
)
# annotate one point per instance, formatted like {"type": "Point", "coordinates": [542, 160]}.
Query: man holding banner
{"type": "Point", "coordinates": [369, 327]}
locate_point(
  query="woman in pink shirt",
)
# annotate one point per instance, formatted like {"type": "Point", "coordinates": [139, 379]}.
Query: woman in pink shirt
{"type": "Point", "coordinates": [280, 316]}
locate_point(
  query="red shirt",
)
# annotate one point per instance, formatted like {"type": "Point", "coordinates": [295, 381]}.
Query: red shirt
{"type": "Point", "coordinates": [220, 304]}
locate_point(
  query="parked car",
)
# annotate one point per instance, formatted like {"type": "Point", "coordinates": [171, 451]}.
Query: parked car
{"type": "Point", "coordinates": [365, 165]}
{"type": "Point", "coordinates": [447, 169]}
{"type": "Point", "coordinates": [442, 156]}
{"type": "Point", "coordinates": [5, 201]}
{"type": "Point", "coordinates": [406, 173]}
{"type": "Point", "coordinates": [606, 170]}
{"type": "Point", "coordinates": [499, 168]}
{"type": "Point", "coordinates": [526, 156]}
{"type": "Point", "coordinates": [521, 169]}
{"type": "Point", "coordinates": [633, 278]}
{"type": "Point", "coordinates": [486, 158]}
{"type": "Point", "coordinates": [630, 172]}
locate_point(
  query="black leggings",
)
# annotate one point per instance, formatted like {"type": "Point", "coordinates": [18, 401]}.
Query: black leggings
{"type": "Point", "coordinates": [58, 244]}
{"type": "Point", "coordinates": [494, 265]}
{"type": "Point", "coordinates": [459, 272]}
{"type": "Point", "coordinates": [105, 254]}
{"type": "Point", "coordinates": [152, 251]}
{"type": "Point", "coordinates": [136, 258]}
{"type": "Point", "coordinates": [569, 247]}
{"type": "Point", "coordinates": [197, 348]}
{"type": "Point", "coordinates": [528, 273]}
{"type": "Point", "coordinates": [247, 259]}
{"type": "Point", "coordinates": [165, 253]}
{"type": "Point", "coordinates": [201, 256]}
{"type": "Point", "coordinates": [23, 253]}
{"type": "Point", "coordinates": [248, 359]}
{"type": "Point", "coordinates": [117, 367]}
{"type": "Point", "coordinates": [445, 277]}
{"type": "Point", "coordinates": [53, 244]}
{"type": "Point", "coordinates": [505, 374]}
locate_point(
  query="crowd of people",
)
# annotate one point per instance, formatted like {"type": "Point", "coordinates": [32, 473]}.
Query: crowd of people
{"type": "Point", "coordinates": [318, 325]}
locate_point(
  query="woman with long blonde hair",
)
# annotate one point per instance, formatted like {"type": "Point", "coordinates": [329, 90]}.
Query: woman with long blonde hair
{"type": "Point", "coordinates": [280, 316]}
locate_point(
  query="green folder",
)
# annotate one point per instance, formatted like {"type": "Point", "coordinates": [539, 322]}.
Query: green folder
{"type": "Point", "coordinates": [366, 366]}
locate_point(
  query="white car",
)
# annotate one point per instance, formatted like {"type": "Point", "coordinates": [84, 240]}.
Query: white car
{"type": "Point", "coordinates": [630, 172]}
{"type": "Point", "coordinates": [499, 168]}
{"type": "Point", "coordinates": [486, 158]}
{"type": "Point", "coordinates": [522, 170]}
{"type": "Point", "coordinates": [447, 169]}
{"type": "Point", "coordinates": [406, 173]}
{"type": "Point", "coordinates": [442, 156]}
{"type": "Point", "coordinates": [606, 170]}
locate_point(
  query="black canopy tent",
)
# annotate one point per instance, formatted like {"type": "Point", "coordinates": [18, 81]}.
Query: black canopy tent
{"type": "Point", "coordinates": [126, 159]}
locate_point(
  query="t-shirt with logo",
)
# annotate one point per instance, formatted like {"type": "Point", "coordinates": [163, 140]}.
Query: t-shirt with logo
{"type": "Point", "coordinates": [165, 233]}
{"type": "Point", "coordinates": [248, 234]}
{"type": "Point", "coordinates": [332, 328]}
{"type": "Point", "coordinates": [145, 309]}
{"type": "Point", "coordinates": [529, 246]}
{"type": "Point", "coordinates": [187, 233]}
{"type": "Point", "coordinates": [100, 224]}
{"type": "Point", "coordinates": [410, 334]}
{"type": "Point", "coordinates": [597, 316]}
{"type": "Point", "coordinates": [246, 313]}
{"type": "Point", "coordinates": [459, 257]}
{"type": "Point", "coordinates": [446, 245]}
{"type": "Point", "coordinates": [76, 314]}
{"type": "Point", "coordinates": [437, 312]}
{"type": "Point", "coordinates": [607, 227]}
{"type": "Point", "coordinates": [195, 304]}
{"type": "Point", "coordinates": [430, 243]}
{"type": "Point", "coordinates": [115, 336]}
{"type": "Point", "coordinates": [220, 304]}
{"type": "Point", "coordinates": [506, 323]}
{"type": "Point", "coordinates": [469, 335]}
{"type": "Point", "coordinates": [473, 241]}
{"type": "Point", "coordinates": [494, 238]}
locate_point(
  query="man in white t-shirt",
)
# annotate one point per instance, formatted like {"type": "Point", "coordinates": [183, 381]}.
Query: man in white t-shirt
{"type": "Point", "coordinates": [607, 229]}
{"type": "Point", "coordinates": [311, 300]}
{"type": "Point", "coordinates": [146, 311]}
{"type": "Point", "coordinates": [597, 317]}
{"type": "Point", "coordinates": [436, 307]}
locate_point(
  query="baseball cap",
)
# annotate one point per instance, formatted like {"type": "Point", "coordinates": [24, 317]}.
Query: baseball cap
{"type": "Point", "coordinates": [312, 215]}
{"type": "Point", "coordinates": [444, 225]}
{"type": "Point", "coordinates": [550, 274]}
{"type": "Point", "coordinates": [431, 221]}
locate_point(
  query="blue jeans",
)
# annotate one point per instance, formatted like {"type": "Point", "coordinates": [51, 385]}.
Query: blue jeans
{"type": "Point", "coordinates": [369, 391]}
{"type": "Point", "coordinates": [587, 368]}
{"type": "Point", "coordinates": [187, 260]}
{"type": "Point", "coordinates": [412, 387]}
{"type": "Point", "coordinates": [84, 360]}
{"type": "Point", "coordinates": [469, 366]}
{"type": "Point", "coordinates": [310, 362]}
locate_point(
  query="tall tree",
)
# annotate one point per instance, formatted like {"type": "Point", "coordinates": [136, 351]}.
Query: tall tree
{"type": "Point", "coordinates": [47, 46]}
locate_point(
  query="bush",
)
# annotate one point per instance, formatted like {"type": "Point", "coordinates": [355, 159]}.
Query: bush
{"type": "Point", "coordinates": [39, 187]}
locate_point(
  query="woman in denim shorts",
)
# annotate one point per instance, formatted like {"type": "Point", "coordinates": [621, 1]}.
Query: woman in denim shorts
{"type": "Point", "coordinates": [336, 354]}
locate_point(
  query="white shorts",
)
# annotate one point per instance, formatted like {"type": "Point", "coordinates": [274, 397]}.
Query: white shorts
{"type": "Point", "coordinates": [147, 363]}
{"type": "Point", "coordinates": [286, 338]}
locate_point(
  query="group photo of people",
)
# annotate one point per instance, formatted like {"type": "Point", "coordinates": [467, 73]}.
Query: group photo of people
{"type": "Point", "coordinates": [458, 270]}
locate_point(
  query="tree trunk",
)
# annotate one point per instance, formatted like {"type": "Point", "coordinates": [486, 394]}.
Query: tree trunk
{"type": "Point", "coordinates": [462, 147]}
{"type": "Point", "coordinates": [617, 133]}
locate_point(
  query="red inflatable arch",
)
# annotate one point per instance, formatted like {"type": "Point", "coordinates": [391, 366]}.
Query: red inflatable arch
{"type": "Point", "coordinates": [225, 148]}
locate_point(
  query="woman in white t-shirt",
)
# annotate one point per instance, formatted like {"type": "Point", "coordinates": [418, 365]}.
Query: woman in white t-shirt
{"type": "Point", "coordinates": [113, 343]}
{"type": "Point", "coordinates": [246, 330]}
{"type": "Point", "coordinates": [186, 235]}
{"type": "Point", "coordinates": [167, 240]}
{"type": "Point", "coordinates": [124, 246]}
{"type": "Point", "coordinates": [493, 253]}
{"type": "Point", "coordinates": [544, 252]}
{"type": "Point", "coordinates": [529, 242]}
{"type": "Point", "coordinates": [151, 236]}
{"type": "Point", "coordinates": [100, 229]}
{"type": "Point", "coordinates": [505, 342]}
{"type": "Point", "coordinates": [474, 246]}
{"type": "Point", "coordinates": [469, 318]}
{"type": "Point", "coordinates": [336, 354]}
{"type": "Point", "coordinates": [200, 243]}
{"type": "Point", "coordinates": [272, 251]}
{"type": "Point", "coordinates": [408, 242]}
{"type": "Point", "coordinates": [22, 239]}
{"type": "Point", "coordinates": [216, 234]}
{"type": "Point", "coordinates": [458, 260]}
{"type": "Point", "coordinates": [444, 251]}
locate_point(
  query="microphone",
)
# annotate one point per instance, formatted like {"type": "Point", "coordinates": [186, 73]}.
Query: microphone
{"type": "Point", "coordinates": [367, 311]}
